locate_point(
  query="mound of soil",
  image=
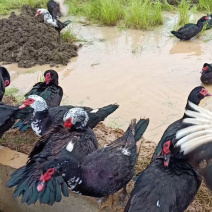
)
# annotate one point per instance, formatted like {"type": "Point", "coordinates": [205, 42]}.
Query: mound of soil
{"type": "Point", "coordinates": [25, 39]}
{"type": "Point", "coordinates": [24, 142]}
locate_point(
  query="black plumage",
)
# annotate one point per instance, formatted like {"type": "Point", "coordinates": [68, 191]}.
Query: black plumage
{"type": "Point", "coordinates": [206, 74]}
{"type": "Point", "coordinates": [164, 189]}
{"type": "Point", "coordinates": [46, 117]}
{"type": "Point", "coordinates": [188, 31]}
{"type": "Point", "coordinates": [54, 9]}
{"type": "Point", "coordinates": [4, 81]}
{"type": "Point", "coordinates": [195, 96]}
{"type": "Point", "coordinates": [106, 170]}
{"type": "Point", "coordinates": [49, 90]}
{"type": "Point", "coordinates": [57, 143]}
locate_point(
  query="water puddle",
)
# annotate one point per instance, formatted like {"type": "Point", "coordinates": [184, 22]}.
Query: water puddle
{"type": "Point", "coordinates": [148, 73]}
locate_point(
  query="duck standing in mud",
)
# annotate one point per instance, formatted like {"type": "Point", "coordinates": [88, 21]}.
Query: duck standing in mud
{"type": "Point", "coordinates": [206, 74]}
{"type": "Point", "coordinates": [190, 30]}
{"type": "Point", "coordinates": [4, 81]}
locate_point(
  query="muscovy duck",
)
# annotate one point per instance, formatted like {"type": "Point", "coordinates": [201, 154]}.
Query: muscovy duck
{"type": "Point", "coordinates": [195, 96]}
{"type": "Point", "coordinates": [195, 142]}
{"type": "Point", "coordinates": [206, 74]}
{"type": "Point", "coordinates": [8, 116]}
{"type": "Point", "coordinates": [54, 9]}
{"type": "Point", "coordinates": [44, 117]}
{"type": "Point", "coordinates": [162, 188]}
{"type": "Point", "coordinates": [4, 81]}
{"type": "Point", "coordinates": [101, 173]}
{"type": "Point", "coordinates": [76, 142]}
{"type": "Point", "coordinates": [209, 22]}
{"type": "Point", "coordinates": [188, 31]}
{"type": "Point", "coordinates": [48, 90]}
{"type": "Point", "coordinates": [51, 21]}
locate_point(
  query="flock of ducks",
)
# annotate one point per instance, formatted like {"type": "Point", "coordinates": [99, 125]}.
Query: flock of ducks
{"type": "Point", "coordinates": [67, 154]}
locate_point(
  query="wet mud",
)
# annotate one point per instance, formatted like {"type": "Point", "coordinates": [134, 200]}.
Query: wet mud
{"type": "Point", "coordinates": [26, 40]}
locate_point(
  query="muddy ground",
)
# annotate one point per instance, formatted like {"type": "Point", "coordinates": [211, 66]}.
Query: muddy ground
{"type": "Point", "coordinates": [25, 39]}
{"type": "Point", "coordinates": [24, 142]}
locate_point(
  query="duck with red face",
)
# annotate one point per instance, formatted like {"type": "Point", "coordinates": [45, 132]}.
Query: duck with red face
{"type": "Point", "coordinates": [49, 90]}
{"type": "Point", "coordinates": [4, 81]}
{"type": "Point", "coordinates": [206, 74]}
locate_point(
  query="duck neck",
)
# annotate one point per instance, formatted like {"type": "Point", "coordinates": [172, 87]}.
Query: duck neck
{"type": "Point", "coordinates": [200, 24]}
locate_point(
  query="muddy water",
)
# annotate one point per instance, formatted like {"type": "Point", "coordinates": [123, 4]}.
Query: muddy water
{"type": "Point", "coordinates": [148, 73]}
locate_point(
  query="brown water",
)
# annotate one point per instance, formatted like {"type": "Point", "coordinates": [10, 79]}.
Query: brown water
{"type": "Point", "coordinates": [148, 73]}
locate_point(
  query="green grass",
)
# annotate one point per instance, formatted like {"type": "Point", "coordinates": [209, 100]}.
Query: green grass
{"type": "Point", "coordinates": [205, 5]}
{"type": "Point", "coordinates": [143, 14]}
{"type": "Point", "coordinates": [7, 5]}
{"type": "Point", "coordinates": [69, 36]}
{"type": "Point", "coordinates": [184, 12]}
{"type": "Point", "coordinates": [11, 91]}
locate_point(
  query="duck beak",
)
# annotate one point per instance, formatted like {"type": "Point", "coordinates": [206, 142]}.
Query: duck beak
{"type": "Point", "coordinates": [208, 94]}
{"type": "Point", "coordinates": [22, 106]}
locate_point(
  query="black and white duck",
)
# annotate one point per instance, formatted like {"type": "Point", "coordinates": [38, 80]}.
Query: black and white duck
{"type": "Point", "coordinates": [44, 117]}
{"type": "Point", "coordinates": [190, 30]}
{"type": "Point", "coordinates": [195, 97]}
{"type": "Point", "coordinates": [165, 187]}
{"type": "Point", "coordinates": [171, 185]}
{"type": "Point", "coordinates": [75, 141]}
{"type": "Point", "coordinates": [4, 81]}
{"type": "Point", "coordinates": [49, 90]}
{"type": "Point", "coordinates": [52, 169]}
{"type": "Point", "coordinates": [54, 9]}
{"type": "Point", "coordinates": [48, 19]}
{"type": "Point", "coordinates": [206, 74]}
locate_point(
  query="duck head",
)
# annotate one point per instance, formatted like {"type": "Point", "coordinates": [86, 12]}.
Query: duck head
{"type": "Point", "coordinates": [35, 102]}
{"type": "Point", "coordinates": [51, 76]}
{"type": "Point", "coordinates": [197, 94]}
{"type": "Point", "coordinates": [68, 168]}
{"type": "Point", "coordinates": [5, 75]}
{"type": "Point", "coordinates": [41, 11]}
{"type": "Point", "coordinates": [206, 68]}
{"type": "Point", "coordinates": [203, 19]}
{"type": "Point", "coordinates": [76, 118]}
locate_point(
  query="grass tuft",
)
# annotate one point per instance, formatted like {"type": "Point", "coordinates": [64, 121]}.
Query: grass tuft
{"type": "Point", "coordinates": [184, 12]}
{"type": "Point", "coordinates": [143, 14]}
{"type": "Point", "coordinates": [205, 5]}
{"type": "Point", "coordinates": [69, 36]}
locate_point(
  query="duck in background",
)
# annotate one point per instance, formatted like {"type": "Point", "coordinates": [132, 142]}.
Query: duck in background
{"type": "Point", "coordinates": [49, 90]}
{"type": "Point", "coordinates": [206, 74]}
{"type": "Point", "coordinates": [76, 140]}
{"type": "Point", "coordinates": [190, 30]}
{"type": "Point", "coordinates": [4, 81]}
{"type": "Point", "coordinates": [54, 9]}
{"type": "Point", "coordinates": [54, 22]}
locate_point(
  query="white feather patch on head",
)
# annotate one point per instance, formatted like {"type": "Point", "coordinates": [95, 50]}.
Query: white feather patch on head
{"type": "Point", "coordinates": [70, 146]}
{"type": "Point", "coordinates": [77, 115]}
{"type": "Point", "coordinates": [39, 104]}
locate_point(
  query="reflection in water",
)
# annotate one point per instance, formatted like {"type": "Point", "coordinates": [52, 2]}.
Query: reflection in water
{"type": "Point", "coordinates": [192, 47]}
{"type": "Point", "coordinates": [151, 82]}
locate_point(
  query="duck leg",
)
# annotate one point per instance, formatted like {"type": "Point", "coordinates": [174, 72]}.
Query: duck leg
{"type": "Point", "coordinates": [100, 201]}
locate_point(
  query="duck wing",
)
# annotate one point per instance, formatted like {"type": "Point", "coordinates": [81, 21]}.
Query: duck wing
{"type": "Point", "coordinates": [57, 143]}
{"type": "Point", "coordinates": [54, 9]}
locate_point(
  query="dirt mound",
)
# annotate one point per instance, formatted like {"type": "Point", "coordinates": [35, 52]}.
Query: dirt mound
{"type": "Point", "coordinates": [25, 39]}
